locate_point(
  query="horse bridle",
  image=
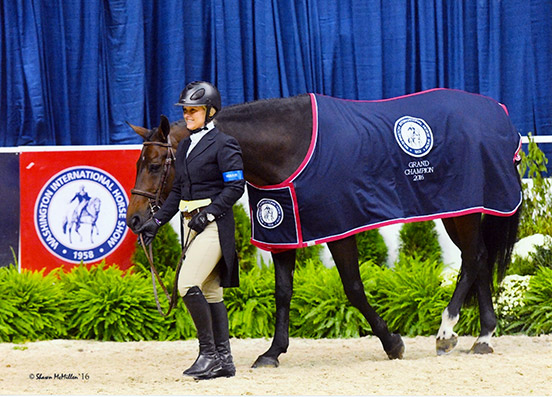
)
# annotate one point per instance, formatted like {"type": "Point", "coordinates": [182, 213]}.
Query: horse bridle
{"type": "Point", "coordinates": [154, 199]}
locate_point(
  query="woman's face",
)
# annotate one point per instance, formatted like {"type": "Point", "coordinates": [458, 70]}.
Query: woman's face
{"type": "Point", "coordinates": [194, 117]}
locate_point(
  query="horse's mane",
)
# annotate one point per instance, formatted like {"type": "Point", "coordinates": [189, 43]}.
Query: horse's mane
{"type": "Point", "coordinates": [248, 115]}
{"type": "Point", "coordinates": [178, 130]}
{"type": "Point", "coordinates": [178, 124]}
{"type": "Point", "coordinates": [259, 106]}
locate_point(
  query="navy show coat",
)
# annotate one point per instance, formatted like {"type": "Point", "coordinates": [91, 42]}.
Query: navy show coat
{"type": "Point", "coordinates": [200, 176]}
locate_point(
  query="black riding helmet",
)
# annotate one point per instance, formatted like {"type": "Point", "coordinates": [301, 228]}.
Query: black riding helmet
{"type": "Point", "coordinates": [201, 93]}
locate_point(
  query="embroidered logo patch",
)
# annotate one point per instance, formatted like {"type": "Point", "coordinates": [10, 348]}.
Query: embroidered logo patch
{"type": "Point", "coordinates": [413, 136]}
{"type": "Point", "coordinates": [80, 214]}
{"type": "Point", "coordinates": [269, 213]}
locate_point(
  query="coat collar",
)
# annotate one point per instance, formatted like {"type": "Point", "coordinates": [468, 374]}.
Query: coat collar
{"type": "Point", "coordinates": [203, 144]}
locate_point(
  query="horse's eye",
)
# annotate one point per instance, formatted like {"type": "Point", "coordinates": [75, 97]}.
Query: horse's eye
{"type": "Point", "coordinates": [154, 168]}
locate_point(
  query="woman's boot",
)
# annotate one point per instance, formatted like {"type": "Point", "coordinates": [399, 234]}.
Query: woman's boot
{"type": "Point", "coordinates": [208, 363]}
{"type": "Point", "coordinates": [222, 338]}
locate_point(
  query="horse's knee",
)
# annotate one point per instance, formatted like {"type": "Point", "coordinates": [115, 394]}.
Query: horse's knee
{"type": "Point", "coordinates": [355, 293]}
{"type": "Point", "coordinates": [283, 296]}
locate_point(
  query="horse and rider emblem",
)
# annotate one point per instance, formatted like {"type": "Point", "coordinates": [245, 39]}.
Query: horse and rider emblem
{"type": "Point", "coordinates": [80, 213]}
{"type": "Point", "coordinates": [87, 210]}
{"type": "Point", "coordinates": [413, 136]}
{"type": "Point", "coordinates": [269, 213]}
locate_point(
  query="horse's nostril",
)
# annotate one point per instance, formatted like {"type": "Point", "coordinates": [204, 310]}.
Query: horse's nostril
{"type": "Point", "coordinates": [133, 223]}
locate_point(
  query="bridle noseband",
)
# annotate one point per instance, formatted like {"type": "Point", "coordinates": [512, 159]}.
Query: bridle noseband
{"type": "Point", "coordinates": [154, 199]}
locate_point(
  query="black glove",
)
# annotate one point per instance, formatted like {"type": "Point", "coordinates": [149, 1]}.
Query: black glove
{"type": "Point", "coordinates": [199, 222]}
{"type": "Point", "coordinates": [149, 230]}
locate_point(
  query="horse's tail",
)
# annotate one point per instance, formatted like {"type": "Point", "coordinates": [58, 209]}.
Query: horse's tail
{"type": "Point", "coordinates": [65, 222]}
{"type": "Point", "coordinates": [500, 235]}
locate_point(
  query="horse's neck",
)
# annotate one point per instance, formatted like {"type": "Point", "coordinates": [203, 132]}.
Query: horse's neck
{"type": "Point", "coordinates": [178, 132]}
{"type": "Point", "coordinates": [274, 136]}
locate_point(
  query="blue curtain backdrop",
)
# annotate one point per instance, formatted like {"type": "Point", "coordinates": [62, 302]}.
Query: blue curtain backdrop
{"type": "Point", "coordinates": [74, 71]}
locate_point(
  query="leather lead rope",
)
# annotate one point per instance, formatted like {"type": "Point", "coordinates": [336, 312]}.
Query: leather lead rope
{"type": "Point", "coordinates": [173, 300]}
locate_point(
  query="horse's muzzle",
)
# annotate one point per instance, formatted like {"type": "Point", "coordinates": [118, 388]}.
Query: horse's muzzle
{"type": "Point", "coordinates": [135, 222]}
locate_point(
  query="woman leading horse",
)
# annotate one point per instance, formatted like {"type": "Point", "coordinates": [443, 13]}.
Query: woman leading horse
{"type": "Point", "coordinates": [307, 148]}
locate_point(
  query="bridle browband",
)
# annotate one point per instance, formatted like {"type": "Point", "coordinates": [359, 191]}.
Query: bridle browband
{"type": "Point", "coordinates": [154, 199]}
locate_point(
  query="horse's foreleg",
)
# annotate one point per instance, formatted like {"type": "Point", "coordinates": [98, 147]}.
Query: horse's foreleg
{"type": "Point", "coordinates": [345, 254]}
{"type": "Point", "coordinates": [284, 265]}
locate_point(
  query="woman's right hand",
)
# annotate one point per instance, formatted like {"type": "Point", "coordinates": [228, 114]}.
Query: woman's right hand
{"type": "Point", "coordinates": [149, 230]}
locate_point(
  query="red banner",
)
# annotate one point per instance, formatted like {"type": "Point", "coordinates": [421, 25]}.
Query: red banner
{"type": "Point", "coordinates": [73, 207]}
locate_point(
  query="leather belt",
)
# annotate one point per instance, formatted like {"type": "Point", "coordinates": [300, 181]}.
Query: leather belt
{"type": "Point", "coordinates": [190, 208]}
{"type": "Point", "coordinates": [189, 214]}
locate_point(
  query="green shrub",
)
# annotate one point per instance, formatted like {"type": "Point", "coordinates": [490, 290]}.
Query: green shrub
{"type": "Point", "coordinates": [372, 247]}
{"type": "Point", "coordinates": [247, 252]}
{"type": "Point", "coordinates": [535, 315]}
{"type": "Point", "coordinates": [251, 307]}
{"type": "Point", "coordinates": [420, 240]}
{"type": "Point", "coordinates": [307, 254]}
{"type": "Point", "coordinates": [468, 324]}
{"type": "Point", "coordinates": [166, 251]}
{"type": "Point", "coordinates": [542, 256]}
{"type": "Point", "coordinates": [526, 266]}
{"type": "Point", "coordinates": [178, 324]}
{"type": "Point", "coordinates": [8, 313]}
{"type": "Point", "coordinates": [31, 306]}
{"type": "Point", "coordinates": [106, 303]}
{"type": "Point", "coordinates": [521, 266]}
{"type": "Point", "coordinates": [536, 216]}
{"type": "Point", "coordinates": [410, 297]}
{"type": "Point", "coordinates": [320, 308]}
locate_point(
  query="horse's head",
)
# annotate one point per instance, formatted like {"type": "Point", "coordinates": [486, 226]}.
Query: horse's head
{"type": "Point", "coordinates": [154, 170]}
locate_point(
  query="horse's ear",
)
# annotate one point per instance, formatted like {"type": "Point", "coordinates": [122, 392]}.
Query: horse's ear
{"type": "Point", "coordinates": [164, 126]}
{"type": "Point", "coordinates": [143, 132]}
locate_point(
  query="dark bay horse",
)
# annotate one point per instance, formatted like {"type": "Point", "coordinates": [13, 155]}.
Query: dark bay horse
{"type": "Point", "coordinates": [275, 136]}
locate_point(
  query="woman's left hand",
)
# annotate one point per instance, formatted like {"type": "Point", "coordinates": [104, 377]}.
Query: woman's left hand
{"type": "Point", "coordinates": [199, 222]}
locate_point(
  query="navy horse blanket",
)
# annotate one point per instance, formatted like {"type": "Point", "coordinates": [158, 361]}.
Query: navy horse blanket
{"type": "Point", "coordinates": [435, 154]}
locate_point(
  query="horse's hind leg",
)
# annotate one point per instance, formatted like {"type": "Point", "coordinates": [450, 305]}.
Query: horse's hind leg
{"type": "Point", "coordinates": [487, 315]}
{"type": "Point", "coordinates": [345, 254]}
{"type": "Point", "coordinates": [284, 265]}
{"type": "Point", "coordinates": [93, 227]}
{"type": "Point", "coordinates": [465, 232]}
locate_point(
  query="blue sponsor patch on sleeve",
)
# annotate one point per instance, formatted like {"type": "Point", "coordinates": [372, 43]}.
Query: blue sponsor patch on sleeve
{"type": "Point", "coordinates": [230, 176]}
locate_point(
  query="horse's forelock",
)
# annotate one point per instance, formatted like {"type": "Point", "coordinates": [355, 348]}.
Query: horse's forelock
{"type": "Point", "coordinates": [150, 135]}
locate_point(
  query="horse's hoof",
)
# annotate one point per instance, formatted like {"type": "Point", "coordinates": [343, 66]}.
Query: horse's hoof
{"type": "Point", "coordinates": [397, 350]}
{"type": "Point", "coordinates": [265, 361]}
{"type": "Point", "coordinates": [481, 348]}
{"type": "Point", "coordinates": [445, 346]}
